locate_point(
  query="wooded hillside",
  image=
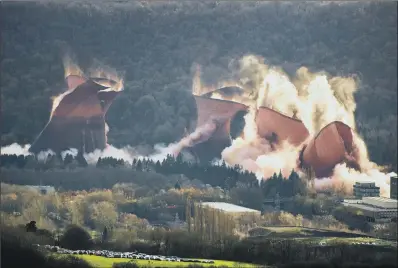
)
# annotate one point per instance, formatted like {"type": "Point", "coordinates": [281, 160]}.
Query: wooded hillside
{"type": "Point", "coordinates": [156, 44]}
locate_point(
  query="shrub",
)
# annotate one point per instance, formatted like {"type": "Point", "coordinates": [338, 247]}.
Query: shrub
{"type": "Point", "coordinates": [130, 264]}
{"type": "Point", "coordinates": [17, 251]}
{"type": "Point", "coordinates": [76, 238]}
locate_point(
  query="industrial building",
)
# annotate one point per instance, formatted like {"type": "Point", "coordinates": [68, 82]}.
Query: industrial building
{"type": "Point", "coordinates": [364, 189]}
{"type": "Point", "coordinates": [214, 220]}
{"type": "Point", "coordinates": [237, 212]}
{"type": "Point", "coordinates": [393, 187]}
{"type": "Point", "coordinates": [373, 209]}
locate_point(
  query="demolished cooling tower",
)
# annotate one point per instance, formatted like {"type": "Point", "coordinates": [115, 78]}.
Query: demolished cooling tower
{"type": "Point", "coordinates": [330, 147]}
{"type": "Point", "coordinates": [333, 145]}
{"type": "Point", "coordinates": [78, 121]}
{"type": "Point", "coordinates": [276, 127]}
{"type": "Point", "coordinates": [219, 112]}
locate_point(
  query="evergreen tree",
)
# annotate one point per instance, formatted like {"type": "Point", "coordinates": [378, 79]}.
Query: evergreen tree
{"type": "Point", "coordinates": [177, 186]}
{"type": "Point", "coordinates": [105, 235]}
{"type": "Point", "coordinates": [31, 227]}
{"type": "Point", "coordinates": [69, 159]}
{"type": "Point", "coordinates": [139, 165]}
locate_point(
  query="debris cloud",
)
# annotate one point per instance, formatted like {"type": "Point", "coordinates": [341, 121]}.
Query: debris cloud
{"type": "Point", "coordinates": [316, 99]}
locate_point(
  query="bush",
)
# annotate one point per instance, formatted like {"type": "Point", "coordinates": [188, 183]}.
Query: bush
{"type": "Point", "coordinates": [67, 262]}
{"type": "Point", "coordinates": [17, 251]}
{"type": "Point", "coordinates": [76, 238]}
{"type": "Point", "coordinates": [130, 264]}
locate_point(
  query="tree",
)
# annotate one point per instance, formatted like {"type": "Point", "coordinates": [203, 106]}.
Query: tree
{"type": "Point", "coordinates": [103, 214]}
{"type": "Point", "coordinates": [177, 186]}
{"type": "Point", "coordinates": [31, 227]}
{"type": "Point", "coordinates": [75, 238]}
{"type": "Point", "coordinates": [105, 235]}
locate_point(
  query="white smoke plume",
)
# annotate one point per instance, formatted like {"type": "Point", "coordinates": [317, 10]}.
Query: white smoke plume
{"type": "Point", "coordinates": [73, 152]}
{"type": "Point", "coordinates": [24, 150]}
{"type": "Point", "coordinates": [16, 149]}
{"type": "Point", "coordinates": [127, 153]}
{"type": "Point", "coordinates": [109, 151]}
{"type": "Point", "coordinates": [344, 178]}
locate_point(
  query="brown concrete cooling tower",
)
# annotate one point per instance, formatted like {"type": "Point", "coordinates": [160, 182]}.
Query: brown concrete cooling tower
{"type": "Point", "coordinates": [333, 145]}
{"type": "Point", "coordinates": [219, 112]}
{"type": "Point", "coordinates": [277, 127]}
{"type": "Point", "coordinates": [78, 121]}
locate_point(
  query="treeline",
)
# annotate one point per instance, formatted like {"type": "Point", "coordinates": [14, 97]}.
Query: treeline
{"type": "Point", "coordinates": [155, 45]}
{"type": "Point", "coordinates": [222, 175]}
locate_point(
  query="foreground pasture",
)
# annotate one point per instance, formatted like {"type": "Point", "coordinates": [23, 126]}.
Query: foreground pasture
{"type": "Point", "coordinates": [103, 262]}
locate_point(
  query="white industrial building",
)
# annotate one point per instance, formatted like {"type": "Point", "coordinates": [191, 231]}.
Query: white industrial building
{"type": "Point", "coordinates": [239, 213]}
{"type": "Point", "coordinates": [227, 207]}
{"type": "Point", "coordinates": [374, 209]}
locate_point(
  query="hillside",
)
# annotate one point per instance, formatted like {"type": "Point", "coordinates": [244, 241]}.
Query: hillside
{"type": "Point", "coordinates": [155, 45]}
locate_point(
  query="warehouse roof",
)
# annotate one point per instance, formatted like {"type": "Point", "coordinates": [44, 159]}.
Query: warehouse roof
{"type": "Point", "coordinates": [380, 202]}
{"type": "Point", "coordinates": [364, 207]}
{"type": "Point", "coordinates": [228, 207]}
{"type": "Point", "coordinates": [373, 203]}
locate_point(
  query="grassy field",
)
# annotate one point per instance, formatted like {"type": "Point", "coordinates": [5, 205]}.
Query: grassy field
{"type": "Point", "coordinates": [318, 236]}
{"type": "Point", "coordinates": [346, 240]}
{"type": "Point", "coordinates": [102, 262]}
{"type": "Point", "coordinates": [290, 232]}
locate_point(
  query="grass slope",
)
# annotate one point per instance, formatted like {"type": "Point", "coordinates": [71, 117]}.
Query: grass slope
{"type": "Point", "coordinates": [102, 262]}
{"type": "Point", "coordinates": [290, 232]}
{"type": "Point", "coordinates": [313, 235]}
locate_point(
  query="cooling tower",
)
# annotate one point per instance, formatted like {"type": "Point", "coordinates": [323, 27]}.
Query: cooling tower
{"type": "Point", "coordinates": [332, 145]}
{"type": "Point", "coordinates": [79, 119]}
{"type": "Point", "coordinates": [219, 112]}
{"type": "Point", "coordinates": [277, 127]}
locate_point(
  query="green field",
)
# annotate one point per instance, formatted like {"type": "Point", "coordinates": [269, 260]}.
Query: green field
{"type": "Point", "coordinates": [102, 262]}
{"type": "Point", "coordinates": [316, 236]}
{"type": "Point", "coordinates": [290, 232]}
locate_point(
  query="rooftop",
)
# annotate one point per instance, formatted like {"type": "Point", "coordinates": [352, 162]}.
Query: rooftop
{"type": "Point", "coordinates": [365, 183]}
{"type": "Point", "coordinates": [228, 207]}
{"type": "Point", "coordinates": [372, 203]}
{"type": "Point", "coordinates": [380, 199]}
{"type": "Point", "coordinates": [365, 207]}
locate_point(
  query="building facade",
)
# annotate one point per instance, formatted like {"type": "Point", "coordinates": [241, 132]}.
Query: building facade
{"type": "Point", "coordinates": [393, 187]}
{"type": "Point", "coordinates": [373, 209]}
{"type": "Point", "coordinates": [366, 189]}
{"type": "Point", "coordinates": [215, 220]}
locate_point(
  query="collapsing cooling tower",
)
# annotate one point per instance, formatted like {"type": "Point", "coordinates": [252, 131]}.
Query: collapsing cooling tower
{"type": "Point", "coordinates": [333, 145]}
{"type": "Point", "coordinates": [277, 127]}
{"type": "Point", "coordinates": [79, 119]}
{"type": "Point", "coordinates": [219, 112]}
